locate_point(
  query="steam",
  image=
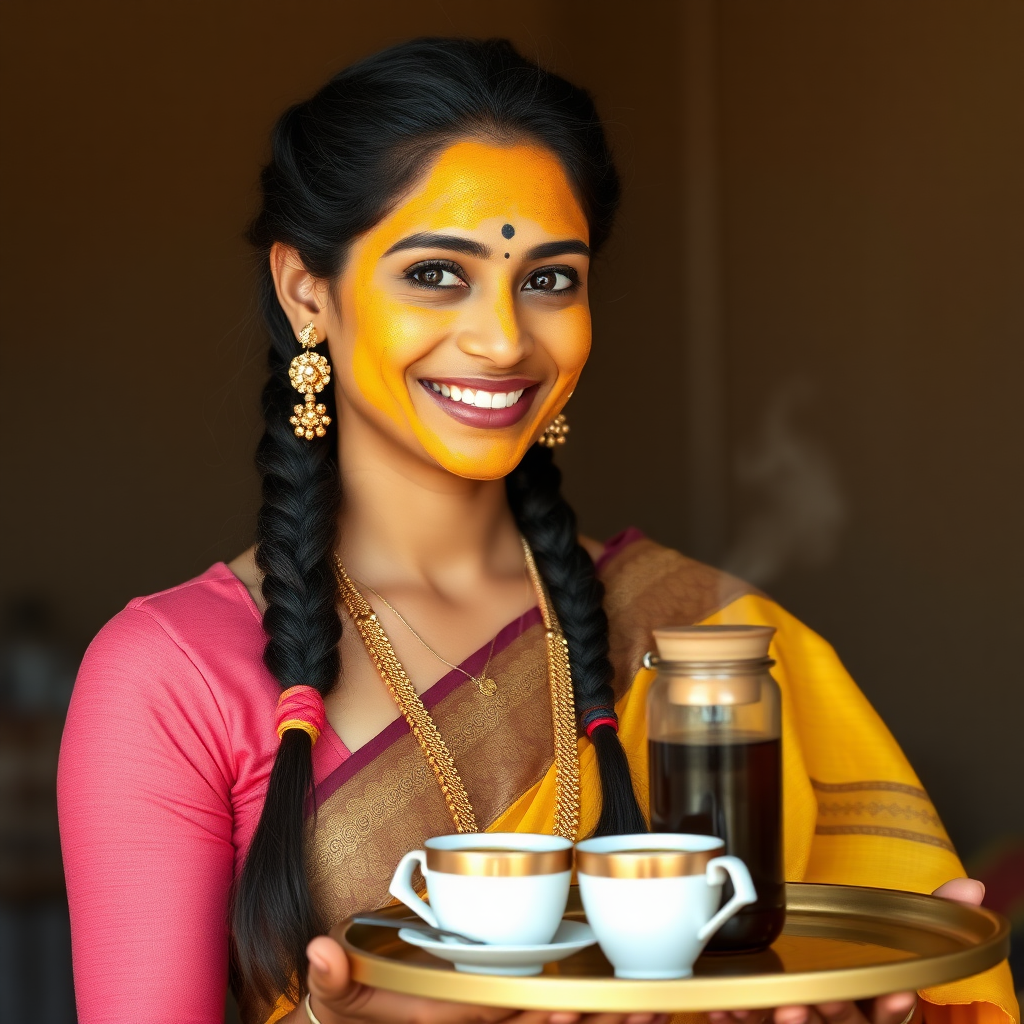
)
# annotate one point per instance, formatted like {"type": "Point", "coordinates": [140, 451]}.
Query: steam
{"type": "Point", "coordinates": [790, 484]}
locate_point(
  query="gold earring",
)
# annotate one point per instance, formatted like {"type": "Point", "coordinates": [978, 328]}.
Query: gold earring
{"type": "Point", "coordinates": [309, 374]}
{"type": "Point", "coordinates": [554, 432]}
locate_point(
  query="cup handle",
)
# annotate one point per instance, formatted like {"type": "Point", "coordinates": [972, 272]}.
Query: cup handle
{"type": "Point", "coordinates": [401, 886]}
{"type": "Point", "coordinates": [743, 895]}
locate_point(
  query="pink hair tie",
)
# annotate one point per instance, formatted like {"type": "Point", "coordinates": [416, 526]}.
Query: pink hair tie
{"type": "Point", "coordinates": [591, 726]}
{"type": "Point", "coordinates": [301, 707]}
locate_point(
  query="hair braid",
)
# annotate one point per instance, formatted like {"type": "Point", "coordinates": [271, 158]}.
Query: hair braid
{"type": "Point", "coordinates": [549, 525]}
{"type": "Point", "coordinates": [273, 916]}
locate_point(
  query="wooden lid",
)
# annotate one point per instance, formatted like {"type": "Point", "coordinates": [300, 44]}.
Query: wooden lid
{"type": "Point", "coordinates": [713, 643]}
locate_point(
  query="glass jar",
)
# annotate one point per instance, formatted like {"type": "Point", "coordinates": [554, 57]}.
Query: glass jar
{"type": "Point", "coordinates": [714, 727]}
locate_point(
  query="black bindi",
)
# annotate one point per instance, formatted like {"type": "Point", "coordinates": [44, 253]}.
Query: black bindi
{"type": "Point", "coordinates": [507, 230]}
{"type": "Point", "coordinates": [506, 255]}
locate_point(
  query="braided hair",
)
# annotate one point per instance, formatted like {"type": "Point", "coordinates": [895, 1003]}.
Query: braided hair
{"type": "Point", "coordinates": [340, 161]}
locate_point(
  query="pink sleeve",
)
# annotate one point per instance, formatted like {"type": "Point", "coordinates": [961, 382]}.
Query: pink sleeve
{"type": "Point", "coordinates": [144, 793]}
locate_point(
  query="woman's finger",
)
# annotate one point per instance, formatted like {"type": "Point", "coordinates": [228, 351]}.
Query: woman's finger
{"type": "Point", "coordinates": [543, 1017]}
{"type": "Point", "coordinates": [329, 976]}
{"type": "Point", "coordinates": [540, 1017]}
{"type": "Point", "coordinates": [801, 1015]}
{"type": "Point", "coordinates": [894, 1009]}
{"type": "Point", "coordinates": [792, 1015]}
{"type": "Point", "coordinates": [564, 1017]}
{"type": "Point", "coordinates": [963, 890]}
{"type": "Point", "coordinates": [891, 1009]}
{"type": "Point", "coordinates": [618, 1018]}
{"type": "Point", "coordinates": [841, 1013]}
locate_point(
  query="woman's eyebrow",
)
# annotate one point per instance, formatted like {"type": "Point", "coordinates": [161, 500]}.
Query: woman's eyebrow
{"type": "Point", "coordinates": [570, 246]}
{"type": "Point", "coordinates": [430, 240]}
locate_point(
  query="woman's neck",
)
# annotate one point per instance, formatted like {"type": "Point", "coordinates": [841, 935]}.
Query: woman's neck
{"type": "Point", "coordinates": [407, 522]}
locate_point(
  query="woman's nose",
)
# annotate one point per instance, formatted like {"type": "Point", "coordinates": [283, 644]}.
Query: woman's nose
{"type": "Point", "coordinates": [493, 329]}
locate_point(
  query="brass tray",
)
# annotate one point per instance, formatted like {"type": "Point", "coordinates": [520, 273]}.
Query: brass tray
{"type": "Point", "coordinates": [839, 942]}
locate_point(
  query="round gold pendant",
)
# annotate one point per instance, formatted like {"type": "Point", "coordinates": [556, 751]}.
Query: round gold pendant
{"type": "Point", "coordinates": [486, 686]}
{"type": "Point", "coordinates": [310, 419]}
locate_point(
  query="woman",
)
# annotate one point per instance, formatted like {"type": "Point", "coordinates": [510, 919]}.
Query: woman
{"type": "Point", "coordinates": [427, 226]}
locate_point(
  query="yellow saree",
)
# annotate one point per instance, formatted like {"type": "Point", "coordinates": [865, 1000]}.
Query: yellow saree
{"type": "Point", "coordinates": [854, 810]}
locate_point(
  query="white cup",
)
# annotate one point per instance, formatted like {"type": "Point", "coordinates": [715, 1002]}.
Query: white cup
{"type": "Point", "coordinates": [502, 888]}
{"type": "Point", "coordinates": [652, 899]}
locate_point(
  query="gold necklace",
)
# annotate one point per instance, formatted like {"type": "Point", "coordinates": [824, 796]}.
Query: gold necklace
{"type": "Point", "coordinates": [484, 684]}
{"type": "Point", "coordinates": [563, 713]}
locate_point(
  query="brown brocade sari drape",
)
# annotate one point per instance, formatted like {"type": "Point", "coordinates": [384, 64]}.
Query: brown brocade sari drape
{"type": "Point", "coordinates": [384, 800]}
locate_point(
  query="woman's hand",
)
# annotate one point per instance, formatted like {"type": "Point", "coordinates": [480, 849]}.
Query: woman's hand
{"type": "Point", "coordinates": [891, 1009]}
{"type": "Point", "coordinates": [336, 999]}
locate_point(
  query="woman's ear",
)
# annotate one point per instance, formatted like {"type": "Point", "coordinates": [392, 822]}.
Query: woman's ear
{"type": "Point", "coordinates": [302, 296]}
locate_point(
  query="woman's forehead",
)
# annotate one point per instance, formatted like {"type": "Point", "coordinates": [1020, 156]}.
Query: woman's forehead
{"type": "Point", "coordinates": [474, 186]}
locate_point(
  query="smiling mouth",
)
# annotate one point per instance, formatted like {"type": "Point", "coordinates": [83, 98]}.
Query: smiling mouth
{"type": "Point", "coordinates": [480, 407]}
{"type": "Point", "coordinates": [476, 397]}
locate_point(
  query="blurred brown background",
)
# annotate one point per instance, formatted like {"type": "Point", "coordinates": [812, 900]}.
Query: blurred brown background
{"type": "Point", "coordinates": [809, 336]}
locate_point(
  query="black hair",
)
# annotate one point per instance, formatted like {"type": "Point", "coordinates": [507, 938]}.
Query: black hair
{"type": "Point", "coordinates": [340, 161]}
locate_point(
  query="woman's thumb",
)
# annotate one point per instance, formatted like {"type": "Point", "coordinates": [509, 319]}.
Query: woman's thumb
{"type": "Point", "coordinates": [329, 976]}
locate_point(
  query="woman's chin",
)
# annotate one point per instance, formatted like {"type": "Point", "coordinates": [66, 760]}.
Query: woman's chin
{"type": "Point", "coordinates": [492, 461]}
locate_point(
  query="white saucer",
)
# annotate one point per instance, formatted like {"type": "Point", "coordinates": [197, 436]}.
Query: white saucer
{"type": "Point", "coordinates": [518, 961]}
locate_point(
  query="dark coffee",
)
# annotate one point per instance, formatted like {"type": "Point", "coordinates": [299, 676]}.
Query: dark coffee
{"type": "Point", "coordinates": [733, 791]}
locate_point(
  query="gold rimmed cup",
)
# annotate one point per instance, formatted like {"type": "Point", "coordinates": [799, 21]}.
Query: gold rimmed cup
{"type": "Point", "coordinates": [506, 888]}
{"type": "Point", "coordinates": [652, 900]}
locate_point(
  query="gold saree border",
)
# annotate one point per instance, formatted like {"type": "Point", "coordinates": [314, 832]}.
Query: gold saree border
{"type": "Point", "coordinates": [876, 807]}
{"type": "Point", "coordinates": [853, 787]}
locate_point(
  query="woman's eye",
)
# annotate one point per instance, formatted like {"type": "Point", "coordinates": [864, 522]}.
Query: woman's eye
{"type": "Point", "coordinates": [551, 280]}
{"type": "Point", "coordinates": [435, 275]}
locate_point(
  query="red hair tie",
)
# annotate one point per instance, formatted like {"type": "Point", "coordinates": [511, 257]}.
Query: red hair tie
{"type": "Point", "coordinates": [591, 726]}
{"type": "Point", "coordinates": [301, 707]}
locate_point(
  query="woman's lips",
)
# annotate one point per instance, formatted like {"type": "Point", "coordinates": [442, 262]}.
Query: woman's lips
{"type": "Point", "coordinates": [465, 408]}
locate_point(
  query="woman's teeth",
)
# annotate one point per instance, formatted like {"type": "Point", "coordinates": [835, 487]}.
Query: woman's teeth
{"type": "Point", "coordinates": [481, 399]}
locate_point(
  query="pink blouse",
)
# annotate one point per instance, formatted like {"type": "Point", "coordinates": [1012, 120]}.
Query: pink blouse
{"type": "Point", "coordinates": [163, 771]}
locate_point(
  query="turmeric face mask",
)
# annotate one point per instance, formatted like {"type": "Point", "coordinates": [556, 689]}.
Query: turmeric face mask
{"type": "Point", "coordinates": [464, 320]}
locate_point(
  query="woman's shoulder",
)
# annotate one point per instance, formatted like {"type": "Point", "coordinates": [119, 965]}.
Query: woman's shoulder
{"type": "Point", "coordinates": [217, 593]}
{"type": "Point", "coordinates": [214, 602]}
{"type": "Point", "coordinates": [198, 636]}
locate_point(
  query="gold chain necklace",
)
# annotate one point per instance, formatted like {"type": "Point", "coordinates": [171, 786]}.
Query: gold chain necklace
{"type": "Point", "coordinates": [563, 712]}
{"type": "Point", "coordinates": [484, 684]}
